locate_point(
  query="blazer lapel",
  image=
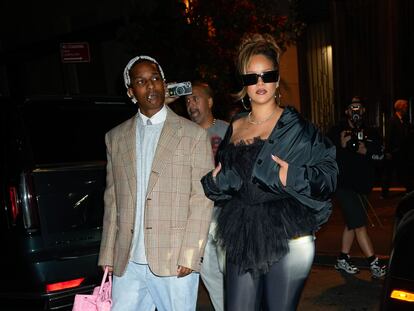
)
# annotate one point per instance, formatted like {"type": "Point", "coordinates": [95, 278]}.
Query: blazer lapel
{"type": "Point", "coordinates": [167, 144]}
{"type": "Point", "coordinates": [129, 156]}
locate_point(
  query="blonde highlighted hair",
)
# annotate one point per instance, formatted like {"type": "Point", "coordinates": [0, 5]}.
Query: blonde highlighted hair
{"type": "Point", "coordinates": [251, 45]}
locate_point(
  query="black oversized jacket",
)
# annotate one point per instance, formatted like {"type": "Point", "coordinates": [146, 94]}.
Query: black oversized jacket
{"type": "Point", "coordinates": [312, 172]}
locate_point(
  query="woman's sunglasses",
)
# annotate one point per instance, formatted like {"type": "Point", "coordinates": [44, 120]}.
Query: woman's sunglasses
{"type": "Point", "coordinates": [267, 77]}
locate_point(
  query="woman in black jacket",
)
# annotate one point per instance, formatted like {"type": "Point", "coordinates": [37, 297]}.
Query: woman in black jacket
{"type": "Point", "coordinates": [274, 180]}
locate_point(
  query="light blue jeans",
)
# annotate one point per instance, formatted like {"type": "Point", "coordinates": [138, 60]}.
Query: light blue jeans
{"type": "Point", "coordinates": [140, 290]}
{"type": "Point", "coordinates": [211, 272]}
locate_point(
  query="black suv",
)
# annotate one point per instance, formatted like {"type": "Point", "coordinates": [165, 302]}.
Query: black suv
{"type": "Point", "coordinates": [52, 178]}
{"type": "Point", "coordinates": [398, 290]}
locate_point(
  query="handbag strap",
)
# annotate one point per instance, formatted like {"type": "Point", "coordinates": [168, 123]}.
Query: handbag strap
{"type": "Point", "coordinates": [105, 276]}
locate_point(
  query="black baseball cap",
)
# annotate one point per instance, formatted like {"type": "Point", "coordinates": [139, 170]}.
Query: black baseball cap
{"type": "Point", "coordinates": [356, 102]}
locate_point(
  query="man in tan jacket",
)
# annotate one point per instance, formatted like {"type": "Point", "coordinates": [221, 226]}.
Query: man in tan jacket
{"type": "Point", "coordinates": [156, 214]}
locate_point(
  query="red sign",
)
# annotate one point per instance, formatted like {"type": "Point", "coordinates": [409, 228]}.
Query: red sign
{"type": "Point", "coordinates": [75, 52]}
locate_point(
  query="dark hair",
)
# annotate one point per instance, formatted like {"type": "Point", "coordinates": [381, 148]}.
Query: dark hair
{"type": "Point", "coordinates": [205, 86]}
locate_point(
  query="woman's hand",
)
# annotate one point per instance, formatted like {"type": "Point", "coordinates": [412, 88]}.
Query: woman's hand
{"type": "Point", "coordinates": [216, 170]}
{"type": "Point", "coordinates": [283, 170]}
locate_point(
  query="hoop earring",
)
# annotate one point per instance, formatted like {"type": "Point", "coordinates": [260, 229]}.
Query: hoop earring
{"type": "Point", "coordinates": [278, 97]}
{"type": "Point", "coordinates": [244, 105]}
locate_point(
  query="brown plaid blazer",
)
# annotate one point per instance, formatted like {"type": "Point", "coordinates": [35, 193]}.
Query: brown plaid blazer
{"type": "Point", "coordinates": [177, 213]}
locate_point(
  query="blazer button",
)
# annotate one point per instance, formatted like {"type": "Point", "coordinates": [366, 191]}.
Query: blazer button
{"type": "Point", "coordinates": [132, 231]}
{"type": "Point", "coordinates": [259, 161]}
{"type": "Point", "coordinates": [271, 141]}
{"type": "Point", "coordinates": [254, 180]}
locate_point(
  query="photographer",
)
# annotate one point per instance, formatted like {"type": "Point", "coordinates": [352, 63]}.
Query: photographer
{"type": "Point", "coordinates": [358, 147]}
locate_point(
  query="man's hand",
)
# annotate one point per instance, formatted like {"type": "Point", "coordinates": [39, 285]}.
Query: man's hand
{"type": "Point", "coordinates": [110, 269]}
{"type": "Point", "coordinates": [362, 148]}
{"type": "Point", "coordinates": [169, 99]}
{"type": "Point", "coordinates": [183, 271]}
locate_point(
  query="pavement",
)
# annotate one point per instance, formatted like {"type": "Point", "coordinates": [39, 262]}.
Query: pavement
{"type": "Point", "coordinates": [327, 289]}
{"type": "Point", "coordinates": [380, 214]}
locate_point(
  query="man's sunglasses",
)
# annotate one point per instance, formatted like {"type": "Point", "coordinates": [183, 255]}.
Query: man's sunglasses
{"type": "Point", "coordinates": [267, 77]}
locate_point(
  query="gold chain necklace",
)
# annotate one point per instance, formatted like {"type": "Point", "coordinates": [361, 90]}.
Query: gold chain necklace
{"type": "Point", "coordinates": [213, 123]}
{"type": "Point", "coordinates": [249, 118]}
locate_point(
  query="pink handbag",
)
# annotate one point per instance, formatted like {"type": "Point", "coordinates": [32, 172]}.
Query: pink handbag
{"type": "Point", "coordinates": [100, 300]}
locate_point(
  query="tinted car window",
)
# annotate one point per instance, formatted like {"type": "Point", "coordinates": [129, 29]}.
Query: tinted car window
{"type": "Point", "coordinates": [80, 200]}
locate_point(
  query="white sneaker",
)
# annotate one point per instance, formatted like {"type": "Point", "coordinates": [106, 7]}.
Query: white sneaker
{"type": "Point", "coordinates": [346, 265]}
{"type": "Point", "coordinates": [378, 269]}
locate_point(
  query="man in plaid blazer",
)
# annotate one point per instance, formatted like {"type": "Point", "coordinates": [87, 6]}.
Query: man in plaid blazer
{"type": "Point", "coordinates": [156, 214]}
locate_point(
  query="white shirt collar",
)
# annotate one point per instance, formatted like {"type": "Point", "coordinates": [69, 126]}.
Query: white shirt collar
{"type": "Point", "coordinates": [157, 118]}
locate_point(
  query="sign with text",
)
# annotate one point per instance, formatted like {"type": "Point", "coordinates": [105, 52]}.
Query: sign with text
{"type": "Point", "coordinates": [75, 52]}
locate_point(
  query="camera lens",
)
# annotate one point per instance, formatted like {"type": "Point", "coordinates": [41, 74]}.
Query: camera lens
{"type": "Point", "coordinates": [353, 144]}
{"type": "Point", "coordinates": [180, 90]}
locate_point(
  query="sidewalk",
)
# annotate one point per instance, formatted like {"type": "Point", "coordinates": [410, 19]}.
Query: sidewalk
{"type": "Point", "coordinates": [380, 229]}
{"type": "Point", "coordinates": [330, 290]}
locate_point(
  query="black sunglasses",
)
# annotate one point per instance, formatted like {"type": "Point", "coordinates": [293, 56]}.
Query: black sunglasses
{"type": "Point", "coordinates": [267, 77]}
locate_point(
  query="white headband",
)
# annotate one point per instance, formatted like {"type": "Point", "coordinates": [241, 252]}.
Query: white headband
{"type": "Point", "coordinates": [127, 79]}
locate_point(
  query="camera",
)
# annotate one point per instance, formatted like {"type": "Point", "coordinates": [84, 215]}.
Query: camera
{"type": "Point", "coordinates": [180, 89]}
{"type": "Point", "coordinates": [357, 135]}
